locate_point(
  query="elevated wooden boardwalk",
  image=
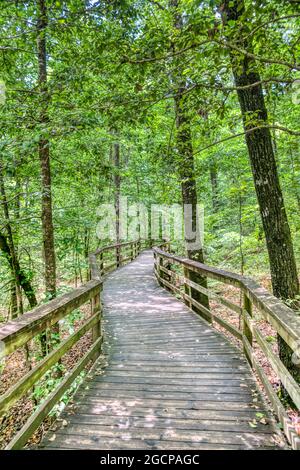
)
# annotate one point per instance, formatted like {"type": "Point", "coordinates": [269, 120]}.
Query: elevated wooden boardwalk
{"type": "Point", "coordinates": [169, 382]}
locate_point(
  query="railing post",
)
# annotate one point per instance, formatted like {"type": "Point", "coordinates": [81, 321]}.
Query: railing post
{"type": "Point", "coordinates": [101, 265]}
{"type": "Point", "coordinates": [132, 256]}
{"type": "Point", "coordinates": [118, 256]}
{"type": "Point", "coordinates": [187, 289]}
{"type": "Point", "coordinates": [97, 309]}
{"type": "Point", "coordinates": [160, 272]}
{"type": "Point", "coordinates": [246, 330]}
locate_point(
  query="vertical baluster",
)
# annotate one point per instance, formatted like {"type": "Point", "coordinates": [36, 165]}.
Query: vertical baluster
{"type": "Point", "coordinates": [187, 289]}
{"type": "Point", "coordinates": [97, 309]}
{"type": "Point", "coordinates": [132, 256]}
{"type": "Point", "coordinates": [101, 265]}
{"type": "Point", "coordinates": [246, 330]}
{"type": "Point", "coordinates": [160, 272]}
{"type": "Point", "coordinates": [118, 256]}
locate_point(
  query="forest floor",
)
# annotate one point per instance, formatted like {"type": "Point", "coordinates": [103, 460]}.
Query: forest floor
{"type": "Point", "coordinates": [16, 366]}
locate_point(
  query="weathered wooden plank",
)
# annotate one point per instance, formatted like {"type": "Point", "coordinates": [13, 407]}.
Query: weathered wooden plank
{"type": "Point", "coordinates": [213, 295]}
{"type": "Point", "coordinates": [27, 382]}
{"type": "Point", "coordinates": [281, 317]}
{"type": "Point", "coordinates": [15, 334]}
{"type": "Point", "coordinates": [96, 386]}
{"type": "Point", "coordinates": [288, 381]}
{"type": "Point", "coordinates": [289, 429]}
{"type": "Point", "coordinates": [194, 385]}
{"type": "Point", "coordinates": [208, 436]}
{"type": "Point", "coordinates": [43, 410]}
{"type": "Point", "coordinates": [178, 404]}
{"type": "Point", "coordinates": [163, 380]}
{"type": "Point", "coordinates": [86, 442]}
{"type": "Point", "coordinates": [217, 397]}
{"type": "Point", "coordinates": [111, 408]}
{"type": "Point", "coordinates": [234, 331]}
{"type": "Point", "coordinates": [151, 421]}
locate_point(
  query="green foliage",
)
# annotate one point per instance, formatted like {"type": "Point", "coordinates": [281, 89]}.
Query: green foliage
{"type": "Point", "coordinates": [110, 68]}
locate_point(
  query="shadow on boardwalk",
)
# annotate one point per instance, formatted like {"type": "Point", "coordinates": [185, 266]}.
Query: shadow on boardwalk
{"type": "Point", "coordinates": [169, 381]}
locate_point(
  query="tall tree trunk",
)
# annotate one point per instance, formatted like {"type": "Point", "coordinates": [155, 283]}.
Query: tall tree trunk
{"type": "Point", "coordinates": [186, 170]}
{"type": "Point", "coordinates": [44, 156]}
{"type": "Point", "coordinates": [13, 306]}
{"type": "Point", "coordinates": [261, 152]}
{"type": "Point", "coordinates": [213, 172]}
{"type": "Point", "coordinates": [86, 243]}
{"type": "Point", "coordinates": [117, 189]}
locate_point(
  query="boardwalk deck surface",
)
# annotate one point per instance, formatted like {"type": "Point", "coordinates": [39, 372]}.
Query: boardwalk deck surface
{"type": "Point", "coordinates": [170, 380]}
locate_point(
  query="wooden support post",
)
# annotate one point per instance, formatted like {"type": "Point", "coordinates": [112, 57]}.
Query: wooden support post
{"type": "Point", "coordinates": [101, 266]}
{"type": "Point", "coordinates": [187, 288]}
{"type": "Point", "coordinates": [118, 256]}
{"type": "Point", "coordinates": [97, 309]}
{"type": "Point", "coordinates": [132, 256]}
{"type": "Point", "coordinates": [246, 330]}
{"type": "Point", "coordinates": [160, 272]}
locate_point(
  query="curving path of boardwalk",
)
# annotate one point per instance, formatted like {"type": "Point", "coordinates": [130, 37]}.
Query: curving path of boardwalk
{"type": "Point", "coordinates": [169, 380]}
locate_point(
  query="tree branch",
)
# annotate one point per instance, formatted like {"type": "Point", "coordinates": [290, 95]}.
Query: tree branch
{"type": "Point", "coordinates": [280, 128]}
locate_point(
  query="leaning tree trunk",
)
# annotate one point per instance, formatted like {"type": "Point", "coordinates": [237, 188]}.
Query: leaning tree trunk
{"type": "Point", "coordinates": [266, 180]}
{"type": "Point", "coordinates": [44, 156]}
{"type": "Point", "coordinates": [24, 281]}
{"type": "Point", "coordinates": [11, 246]}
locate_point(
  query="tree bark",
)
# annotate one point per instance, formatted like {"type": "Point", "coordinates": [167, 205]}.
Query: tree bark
{"type": "Point", "coordinates": [24, 281]}
{"type": "Point", "coordinates": [283, 269]}
{"type": "Point", "coordinates": [117, 190]}
{"type": "Point", "coordinates": [213, 172]}
{"type": "Point", "coordinates": [186, 170]}
{"type": "Point", "coordinates": [44, 156]}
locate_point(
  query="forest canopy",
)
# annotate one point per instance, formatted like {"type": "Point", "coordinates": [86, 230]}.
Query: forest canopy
{"type": "Point", "coordinates": [187, 106]}
{"type": "Point", "coordinates": [81, 80]}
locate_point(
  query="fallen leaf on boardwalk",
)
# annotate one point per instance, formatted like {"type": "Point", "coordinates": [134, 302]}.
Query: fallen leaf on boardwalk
{"type": "Point", "coordinates": [252, 424]}
{"type": "Point", "coordinates": [263, 421]}
{"type": "Point", "coordinates": [52, 438]}
{"type": "Point", "coordinates": [65, 422]}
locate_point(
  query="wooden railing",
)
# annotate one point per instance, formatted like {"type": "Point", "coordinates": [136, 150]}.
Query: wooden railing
{"type": "Point", "coordinates": [16, 334]}
{"type": "Point", "coordinates": [172, 272]}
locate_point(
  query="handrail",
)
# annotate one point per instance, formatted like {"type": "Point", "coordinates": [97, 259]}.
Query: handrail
{"type": "Point", "coordinates": [280, 316]}
{"type": "Point", "coordinates": [276, 312]}
{"type": "Point", "coordinates": [15, 334]}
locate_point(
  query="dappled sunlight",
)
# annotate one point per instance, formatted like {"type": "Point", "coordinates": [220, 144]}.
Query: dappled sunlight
{"type": "Point", "coordinates": [168, 377]}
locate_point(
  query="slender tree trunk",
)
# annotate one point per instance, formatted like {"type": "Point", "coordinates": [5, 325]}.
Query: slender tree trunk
{"type": "Point", "coordinates": [44, 156]}
{"type": "Point", "coordinates": [13, 306]}
{"type": "Point", "coordinates": [117, 190]}
{"type": "Point", "coordinates": [213, 172]}
{"type": "Point", "coordinates": [86, 252]}
{"type": "Point", "coordinates": [11, 246]}
{"type": "Point", "coordinates": [117, 186]}
{"type": "Point", "coordinates": [294, 178]}
{"type": "Point", "coordinates": [186, 170]}
{"type": "Point", "coordinates": [261, 152]}
{"type": "Point", "coordinates": [24, 282]}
